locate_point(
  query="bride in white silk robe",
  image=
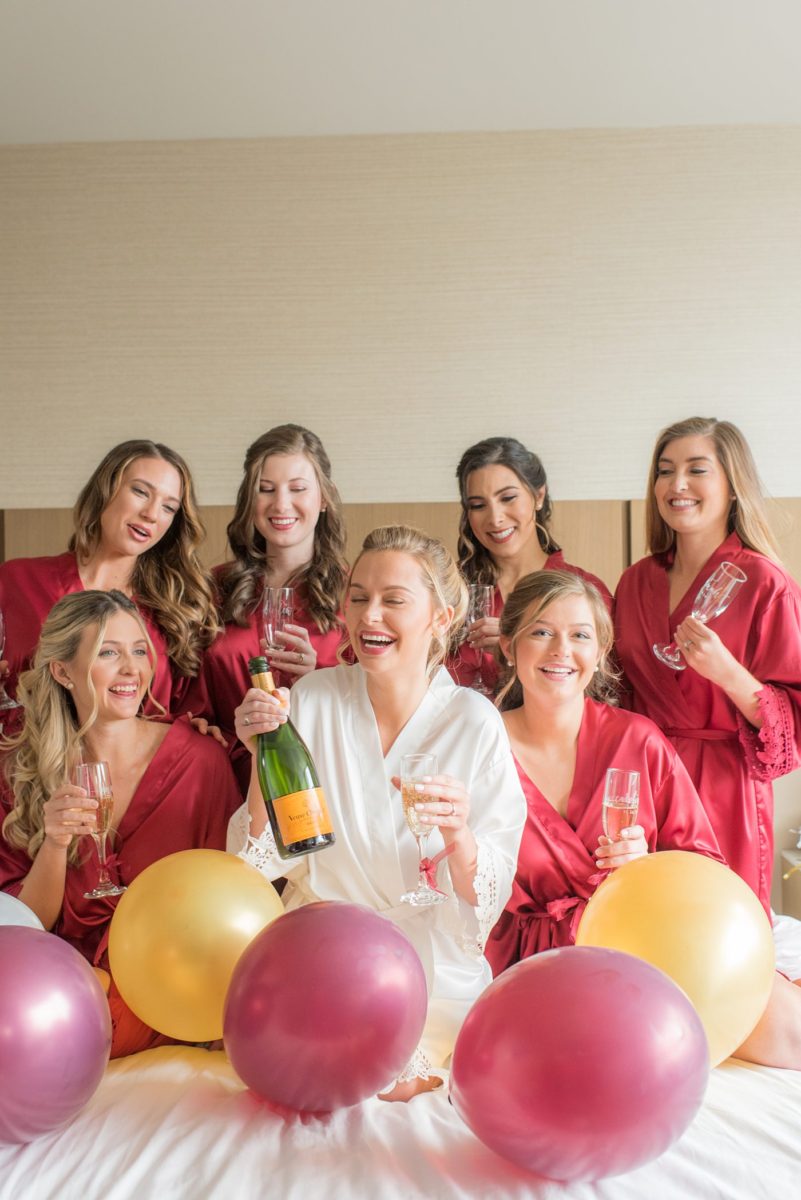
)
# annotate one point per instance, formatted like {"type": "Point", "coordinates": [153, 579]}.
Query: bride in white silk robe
{"type": "Point", "coordinates": [346, 717]}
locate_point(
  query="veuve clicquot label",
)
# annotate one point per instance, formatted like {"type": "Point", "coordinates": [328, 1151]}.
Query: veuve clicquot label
{"type": "Point", "coordinates": [294, 800]}
{"type": "Point", "coordinates": [302, 815]}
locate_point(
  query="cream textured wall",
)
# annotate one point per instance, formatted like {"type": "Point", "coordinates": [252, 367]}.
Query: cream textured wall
{"type": "Point", "coordinates": [403, 296]}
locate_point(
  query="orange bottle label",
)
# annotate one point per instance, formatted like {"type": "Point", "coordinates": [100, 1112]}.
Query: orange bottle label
{"type": "Point", "coordinates": [302, 815]}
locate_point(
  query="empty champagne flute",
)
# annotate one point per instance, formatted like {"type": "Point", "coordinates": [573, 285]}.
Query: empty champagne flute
{"type": "Point", "coordinates": [5, 700]}
{"type": "Point", "coordinates": [479, 606]}
{"type": "Point", "coordinates": [621, 801]}
{"type": "Point", "coordinates": [95, 780]}
{"type": "Point", "coordinates": [278, 605]}
{"type": "Point", "coordinates": [713, 598]}
{"type": "Point", "coordinates": [414, 769]}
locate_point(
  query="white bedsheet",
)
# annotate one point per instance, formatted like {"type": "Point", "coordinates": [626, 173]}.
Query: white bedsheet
{"type": "Point", "coordinates": [176, 1123]}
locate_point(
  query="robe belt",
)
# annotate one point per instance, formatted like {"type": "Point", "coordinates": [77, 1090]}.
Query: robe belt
{"type": "Point", "coordinates": [554, 910]}
{"type": "Point", "coordinates": [704, 735]}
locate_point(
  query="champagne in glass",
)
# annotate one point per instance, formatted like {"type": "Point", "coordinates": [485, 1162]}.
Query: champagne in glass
{"type": "Point", "coordinates": [5, 700]}
{"type": "Point", "coordinates": [95, 780]}
{"type": "Point", "coordinates": [277, 607]}
{"type": "Point", "coordinates": [414, 769]}
{"type": "Point", "coordinates": [713, 598]}
{"type": "Point", "coordinates": [621, 801]}
{"type": "Point", "coordinates": [479, 606]}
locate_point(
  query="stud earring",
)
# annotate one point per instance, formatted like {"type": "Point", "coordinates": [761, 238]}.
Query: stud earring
{"type": "Point", "coordinates": [69, 685]}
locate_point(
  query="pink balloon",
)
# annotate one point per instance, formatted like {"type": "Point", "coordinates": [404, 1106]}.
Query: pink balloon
{"type": "Point", "coordinates": [325, 1007]}
{"type": "Point", "coordinates": [55, 1033]}
{"type": "Point", "coordinates": [580, 1063]}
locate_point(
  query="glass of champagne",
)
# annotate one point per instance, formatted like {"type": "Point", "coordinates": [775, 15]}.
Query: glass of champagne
{"type": "Point", "coordinates": [621, 801]}
{"type": "Point", "coordinates": [278, 605]}
{"type": "Point", "coordinates": [414, 768]}
{"type": "Point", "coordinates": [713, 598]}
{"type": "Point", "coordinates": [479, 606]}
{"type": "Point", "coordinates": [5, 700]}
{"type": "Point", "coordinates": [95, 780]}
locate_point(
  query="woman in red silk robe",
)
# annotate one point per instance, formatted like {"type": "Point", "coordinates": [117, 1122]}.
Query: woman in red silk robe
{"type": "Point", "coordinates": [564, 854]}
{"type": "Point", "coordinates": [287, 531]}
{"type": "Point", "coordinates": [137, 529]}
{"type": "Point", "coordinates": [557, 634]}
{"type": "Point", "coordinates": [504, 535]}
{"type": "Point", "coordinates": [734, 713]}
{"type": "Point", "coordinates": [173, 788]}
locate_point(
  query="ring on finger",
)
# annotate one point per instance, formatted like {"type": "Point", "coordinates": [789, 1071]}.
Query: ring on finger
{"type": "Point", "coordinates": [688, 645]}
{"type": "Point", "coordinates": [453, 809]}
{"type": "Point", "coordinates": [246, 720]}
{"type": "Point", "coordinates": [301, 658]}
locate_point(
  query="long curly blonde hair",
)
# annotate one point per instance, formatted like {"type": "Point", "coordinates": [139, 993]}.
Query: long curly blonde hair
{"type": "Point", "coordinates": [323, 578]}
{"type": "Point", "coordinates": [168, 579]}
{"type": "Point", "coordinates": [529, 600]}
{"type": "Point", "coordinates": [41, 755]}
{"type": "Point", "coordinates": [747, 515]}
{"type": "Point", "coordinates": [440, 575]}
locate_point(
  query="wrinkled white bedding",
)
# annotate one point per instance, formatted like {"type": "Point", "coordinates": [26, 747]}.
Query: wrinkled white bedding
{"type": "Point", "coordinates": [176, 1123]}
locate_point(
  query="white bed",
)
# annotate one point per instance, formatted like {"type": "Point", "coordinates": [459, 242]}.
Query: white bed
{"type": "Point", "coordinates": [176, 1123]}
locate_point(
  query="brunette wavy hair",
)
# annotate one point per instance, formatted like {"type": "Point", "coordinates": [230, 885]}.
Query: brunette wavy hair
{"type": "Point", "coordinates": [475, 561]}
{"type": "Point", "coordinates": [529, 600]}
{"type": "Point", "coordinates": [41, 755]}
{"type": "Point", "coordinates": [323, 578]}
{"type": "Point", "coordinates": [747, 515]}
{"type": "Point", "coordinates": [168, 578]}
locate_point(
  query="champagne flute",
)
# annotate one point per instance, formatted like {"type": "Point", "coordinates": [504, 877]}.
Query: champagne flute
{"type": "Point", "coordinates": [479, 606]}
{"type": "Point", "coordinates": [278, 604]}
{"type": "Point", "coordinates": [414, 768]}
{"type": "Point", "coordinates": [95, 779]}
{"type": "Point", "coordinates": [713, 598]}
{"type": "Point", "coordinates": [621, 801]}
{"type": "Point", "coordinates": [5, 700]}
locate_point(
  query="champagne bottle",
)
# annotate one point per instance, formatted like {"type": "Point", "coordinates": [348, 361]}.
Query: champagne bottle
{"type": "Point", "coordinates": [289, 784]}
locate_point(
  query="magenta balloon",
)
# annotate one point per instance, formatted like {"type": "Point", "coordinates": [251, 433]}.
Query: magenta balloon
{"type": "Point", "coordinates": [325, 1007]}
{"type": "Point", "coordinates": [55, 1033]}
{"type": "Point", "coordinates": [580, 1063]}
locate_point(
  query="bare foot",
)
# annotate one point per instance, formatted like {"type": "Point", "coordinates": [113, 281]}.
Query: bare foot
{"type": "Point", "coordinates": [411, 1088]}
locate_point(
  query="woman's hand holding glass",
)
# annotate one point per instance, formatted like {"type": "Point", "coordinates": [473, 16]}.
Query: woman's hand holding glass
{"type": "Point", "coordinates": [444, 804]}
{"type": "Point", "coordinates": [260, 712]}
{"type": "Point", "coordinates": [70, 812]}
{"type": "Point", "coordinates": [292, 653]}
{"type": "Point", "coordinates": [705, 652]}
{"type": "Point", "coordinates": [613, 853]}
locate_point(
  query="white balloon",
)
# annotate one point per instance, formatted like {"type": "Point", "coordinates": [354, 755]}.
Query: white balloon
{"type": "Point", "coordinates": [14, 912]}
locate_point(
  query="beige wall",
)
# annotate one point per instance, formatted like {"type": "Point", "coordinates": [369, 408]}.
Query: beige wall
{"type": "Point", "coordinates": [402, 296]}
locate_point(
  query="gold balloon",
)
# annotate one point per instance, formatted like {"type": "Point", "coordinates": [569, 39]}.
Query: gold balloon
{"type": "Point", "coordinates": [178, 933]}
{"type": "Point", "coordinates": [700, 924]}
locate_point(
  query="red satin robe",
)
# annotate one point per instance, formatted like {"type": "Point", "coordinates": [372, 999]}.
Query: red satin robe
{"type": "Point", "coordinates": [556, 871]}
{"type": "Point", "coordinates": [224, 677]}
{"type": "Point", "coordinates": [29, 587]}
{"type": "Point", "coordinates": [467, 663]}
{"type": "Point", "coordinates": [730, 762]}
{"type": "Point", "coordinates": [183, 802]}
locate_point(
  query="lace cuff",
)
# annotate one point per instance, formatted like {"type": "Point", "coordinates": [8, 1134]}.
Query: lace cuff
{"type": "Point", "coordinates": [769, 751]}
{"type": "Point", "coordinates": [418, 1067]}
{"type": "Point", "coordinates": [485, 885]}
{"type": "Point", "coordinates": [260, 852]}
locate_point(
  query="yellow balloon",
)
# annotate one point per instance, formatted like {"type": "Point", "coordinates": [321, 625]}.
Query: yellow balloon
{"type": "Point", "coordinates": [700, 924]}
{"type": "Point", "coordinates": [178, 933]}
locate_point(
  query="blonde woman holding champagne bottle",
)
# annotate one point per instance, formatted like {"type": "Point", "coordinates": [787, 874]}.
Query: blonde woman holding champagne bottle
{"type": "Point", "coordinates": [403, 598]}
